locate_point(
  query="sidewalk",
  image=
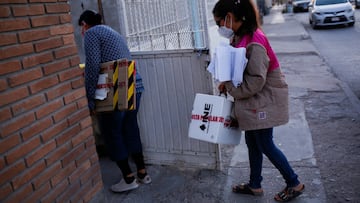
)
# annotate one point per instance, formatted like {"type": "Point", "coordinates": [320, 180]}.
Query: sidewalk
{"type": "Point", "coordinates": [171, 184]}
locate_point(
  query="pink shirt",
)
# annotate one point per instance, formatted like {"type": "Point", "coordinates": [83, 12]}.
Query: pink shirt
{"type": "Point", "coordinates": [260, 38]}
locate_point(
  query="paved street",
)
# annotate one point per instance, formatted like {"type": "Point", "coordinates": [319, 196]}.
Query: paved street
{"type": "Point", "coordinates": [172, 184]}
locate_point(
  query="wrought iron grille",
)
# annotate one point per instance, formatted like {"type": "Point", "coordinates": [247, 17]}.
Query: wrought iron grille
{"type": "Point", "coordinates": [165, 24]}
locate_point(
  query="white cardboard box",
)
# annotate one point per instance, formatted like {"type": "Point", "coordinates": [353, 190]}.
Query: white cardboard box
{"type": "Point", "coordinates": [210, 120]}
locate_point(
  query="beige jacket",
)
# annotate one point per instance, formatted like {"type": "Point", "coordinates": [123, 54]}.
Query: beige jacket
{"type": "Point", "coordinates": [261, 101]}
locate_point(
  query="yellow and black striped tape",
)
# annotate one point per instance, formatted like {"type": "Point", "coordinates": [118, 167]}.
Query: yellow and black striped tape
{"type": "Point", "coordinates": [115, 84]}
{"type": "Point", "coordinates": [131, 85]}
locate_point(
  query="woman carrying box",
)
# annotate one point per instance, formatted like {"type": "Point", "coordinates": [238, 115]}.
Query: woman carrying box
{"type": "Point", "coordinates": [119, 128]}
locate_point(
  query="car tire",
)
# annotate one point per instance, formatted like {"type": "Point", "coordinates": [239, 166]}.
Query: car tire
{"type": "Point", "coordinates": [351, 24]}
{"type": "Point", "coordinates": [313, 25]}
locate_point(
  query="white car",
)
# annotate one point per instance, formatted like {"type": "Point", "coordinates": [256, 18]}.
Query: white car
{"type": "Point", "coordinates": [331, 12]}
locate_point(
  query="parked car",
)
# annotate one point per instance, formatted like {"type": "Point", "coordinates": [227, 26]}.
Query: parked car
{"type": "Point", "coordinates": [331, 12]}
{"type": "Point", "coordinates": [300, 5]}
{"type": "Point", "coordinates": [357, 3]}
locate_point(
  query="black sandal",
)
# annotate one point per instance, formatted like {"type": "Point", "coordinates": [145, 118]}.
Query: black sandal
{"type": "Point", "coordinates": [245, 189]}
{"type": "Point", "coordinates": [288, 194]}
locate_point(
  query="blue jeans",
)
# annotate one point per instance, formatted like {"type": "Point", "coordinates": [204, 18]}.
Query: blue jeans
{"type": "Point", "coordinates": [260, 142]}
{"type": "Point", "coordinates": [121, 133]}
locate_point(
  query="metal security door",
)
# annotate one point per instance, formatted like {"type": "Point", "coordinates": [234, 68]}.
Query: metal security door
{"type": "Point", "coordinates": [171, 81]}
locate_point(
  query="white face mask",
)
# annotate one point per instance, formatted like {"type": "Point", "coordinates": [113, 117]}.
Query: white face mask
{"type": "Point", "coordinates": [225, 31]}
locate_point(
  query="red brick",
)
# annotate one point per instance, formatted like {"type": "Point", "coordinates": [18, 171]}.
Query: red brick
{"type": "Point", "coordinates": [54, 131]}
{"type": "Point", "coordinates": [83, 135]}
{"type": "Point", "coordinates": [18, 196]}
{"type": "Point", "coordinates": [13, 1]}
{"type": "Point", "coordinates": [63, 174]}
{"type": "Point", "coordinates": [5, 114]}
{"type": "Point", "coordinates": [80, 170]}
{"type": "Point", "coordinates": [16, 124]}
{"type": "Point", "coordinates": [62, 29]}
{"type": "Point", "coordinates": [10, 67]}
{"type": "Point", "coordinates": [66, 51]}
{"type": "Point", "coordinates": [57, 154]}
{"type": "Point", "coordinates": [27, 175]}
{"type": "Point", "coordinates": [16, 50]}
{"type": "Point", "coordinates": [86, 122]}
{"type": "Point", "coordinates": [36, 128]}
{"type": "Point", "coordinates": [57, 66]}
{"type": "Point", "coordinates": [57, 8]}
{"type": "Point", "coordinates": [55, 192]}
{"type": "Point", "coordinates": [22, 149]}
{"type": "Point", "coordinates": [13, 95]}
{"type": "Point", "coordinates": [5, 191]}
{"type": "Point", "coordinates": [3, 86]}
{"type": "Point", "coordinates": [74, 61]}
{"type": "Point", "coordinates": [87, 176]}
{"type": "Point", "coordinates": [49, 108]}
{"type": "Point", "coordinates": [68, 193]}
{"type": "Point", "coordinates": [83, 157]}
{"type": "Point", "coordinates": [33, 35]}
{"type": "Point", "coordinates": [40, 153]}
{"type": "Point", "coordinates": [9, 142]}
{"type": "Point", "coordinates": [7, 39]}
{"type": "Point", "coordinates": [48, 44]}
{"type": "Point", "coordinates": [28, 10]}
{"type": "Point", "coordinates": [25, 77]}
{"type": "Point", "coordinates": [93, 191]}
{"type": "Point", "coordinates": [78, 83]}
{"type": "Point", "coordinates": [43, 1]}
{"type": "Point", "coordinates": [65, 18]}
{"type": "Point", "coordinates": [4, 11]}
{"type": "Point", "coordinates": [43, 84]}
{"type": "Point", "coordinates": [82, 103]}
{"type": "Point", "coordinates": [64, 112]}
{"type": "Point", "coordinates": [94, 159]}
{"type": "Point", "coordinates": [69, 74]}
{"type": "Point", "coordinates": [28, 104]}
{"type": "Point", "coordinates": [11, 171]}
{"type": "Point", "coordinates": [74, 95]}
{"type": "Point", "coordinates": [46, 175]}
{"type": "Point", "coordinates": [39, 58]}
{"type": "Point", "coordinates": [45, 20]}
{"type": "Point", "coordinates": [76, 118]}
{"type": "Point", "coordinates": [58, 91]}
{"type": "Point", "coordinates": [68, 39]}
{"type": "Point", "coordinates": [2, 163]}
{"type": "Point", "coordinates": [90, 145]}
{"type": "Point", "coordinates": [72, 155]}
{"type": "Point", "coordinates": [67, 135]}
{"type": "Point", "coordinates": [79, 195]}
{"type": "Point", "coordinates": [14, 24]}
{"type": "Point", "coordinates": [38, 194]}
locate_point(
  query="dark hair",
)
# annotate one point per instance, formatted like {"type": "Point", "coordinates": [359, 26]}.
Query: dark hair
{"type": "Point", "coordinates": [90, 17]}
{"type": "Point", "coordinates": [243, 10]}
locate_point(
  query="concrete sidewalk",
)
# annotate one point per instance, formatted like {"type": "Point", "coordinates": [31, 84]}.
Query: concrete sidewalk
{"type": "Point", "coordinates": [171, 184]}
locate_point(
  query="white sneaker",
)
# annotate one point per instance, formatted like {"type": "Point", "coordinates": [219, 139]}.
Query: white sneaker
{"type": "Point", "coordinates": [145, 180]}
{"type": "Point", "coordinates": [122, 186]}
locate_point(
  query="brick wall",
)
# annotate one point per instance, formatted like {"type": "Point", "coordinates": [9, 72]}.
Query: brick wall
{"type": "Point", "coordinates": [47, 149]}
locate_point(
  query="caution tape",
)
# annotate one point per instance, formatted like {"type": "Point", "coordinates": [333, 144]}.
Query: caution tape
{"type": "Point", "coordinates": [131, 86]}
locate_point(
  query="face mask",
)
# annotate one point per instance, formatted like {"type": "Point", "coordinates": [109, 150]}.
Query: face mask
{"type": "Point", "coordinates": [225, 31]}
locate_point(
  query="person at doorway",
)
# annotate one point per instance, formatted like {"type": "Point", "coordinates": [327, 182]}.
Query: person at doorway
{"type": "Point", "coordinates": [261, 100]}
{"type": "Point", "coordinates": [119, 128]}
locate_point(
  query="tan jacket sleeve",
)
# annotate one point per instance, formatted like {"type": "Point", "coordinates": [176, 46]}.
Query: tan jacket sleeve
{"type": "Point", "coordinates": [254, 77]}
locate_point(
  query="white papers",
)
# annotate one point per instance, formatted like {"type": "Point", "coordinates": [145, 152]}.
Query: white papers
{"type": "Point", "coordinates": [102, 89]}
{"type": "Point", "coordinates": [228, 64]}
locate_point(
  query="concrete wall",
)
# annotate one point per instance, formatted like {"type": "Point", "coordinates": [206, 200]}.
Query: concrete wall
{"type": "Point", "coordinates": [47, 149]}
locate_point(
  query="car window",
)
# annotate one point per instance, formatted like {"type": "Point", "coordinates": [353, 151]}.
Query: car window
{"type": "Point", "coordinates": [326, 2]}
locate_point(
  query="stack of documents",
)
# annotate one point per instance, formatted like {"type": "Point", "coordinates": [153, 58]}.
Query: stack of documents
{"type": "Point", "coordinates": [228, 64]}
